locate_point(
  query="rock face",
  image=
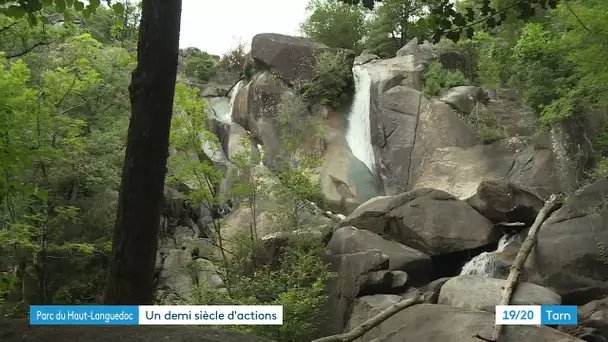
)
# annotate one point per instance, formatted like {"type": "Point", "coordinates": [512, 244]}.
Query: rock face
{"type": "Point", "coordinates": [482, 293]}
{"type": "Point", "coordinates": [283, 63]}
{"type": "Point", "coordinates": [346, 182]}
{"type": "Point", "coordinates": [431, 221]}
{"type": "Point", "coordinates": [422, 142]}
{"type": "Point", "coordinates": [410, 127]}
{"type": "Point", "coordinates": [442, 323]}
{"type": "Point", "coordinates": [567, 257]}
{"type": "Point", "coordinates": [459, 171]}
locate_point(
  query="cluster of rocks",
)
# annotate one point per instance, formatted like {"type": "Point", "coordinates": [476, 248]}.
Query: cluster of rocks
{"type": "Point", "coordinates": [390, 245]}
{"type": "Point", "coordinates": [437, 198]}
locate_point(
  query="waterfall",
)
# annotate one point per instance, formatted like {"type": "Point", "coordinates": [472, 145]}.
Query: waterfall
{"type": "Point", "coordinates": [234, 92]}
{"type": "Point", "coordinates": [261, 150]}
{"type": "Point", "coordinates": [222, 111]}
{"type": "Point", "coordinates": [483, 264]}
{"type": "Point", "coordinates": [358, 134]}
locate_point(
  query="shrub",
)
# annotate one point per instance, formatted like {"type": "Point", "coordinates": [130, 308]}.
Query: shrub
{"type": "Point", "coordinates": [437, 79]}
{"type": "Point", "coordinates": [202, 67]}
{"type": "Point", "coordinates": [468, 49]}
{"type": "Point", "coordinates": [493, 60]}
{"type": "Point", "coordinates": [333, 83]}
{"type": "Point", "coordinates": [298, 284]}
{"type": "Point", "coordinates": [235, 59]}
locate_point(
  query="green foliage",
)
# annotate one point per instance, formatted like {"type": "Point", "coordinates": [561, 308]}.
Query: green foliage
{"type": "Point", "coordinates": [335, 24]}
{"type": "Point", "coordinates": [494, 60]}
{"type": "Point", "coordinates": [201, 67]}
{"type": "Point", "coordinates": [298, 284]}
{"type": "Point", "coordinates": [602, 251]}
{"type": "Point", "coordinates": [437, 79]}
{"type": "Point", "coordinates": [31, 9]}
{"type": "Point", "coordinates": [379, 41]}
{"type": "Point", "coordinates": [65, 114]}
{"type": "Point", "coordinates": [453, 20]}
{"type": "Point", "coordinates": [296, 124]}
{"type": "Point", "coordinates": [391, 27]}
{"type": "Point", "coordinates": [333, 82]}
{"type": "Point", "coordinates": [541, 71]}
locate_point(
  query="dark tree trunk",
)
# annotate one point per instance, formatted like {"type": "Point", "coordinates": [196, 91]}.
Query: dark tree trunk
{"type": "Point", "coordinates": [141, 190]}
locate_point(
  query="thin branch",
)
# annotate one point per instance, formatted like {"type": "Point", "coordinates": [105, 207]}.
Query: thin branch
{"type": "Point", "coordinates": [552, 204]}
{"type": "Point", "coordinates": [374, 321]}
{"type": "Point", "coordinates": [8, 26]}
{"type": "Point", "coordinates": [459, 28]}
{"type": "Point", "coordinates": [576, 16]}
{"type": "Point", "coordinates": [27, 50]}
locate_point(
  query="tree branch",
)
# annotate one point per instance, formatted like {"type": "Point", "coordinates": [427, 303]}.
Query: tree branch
{"type": "Point", "coordinates": [26, 51]}
{"type": "Point", "coordinates": [8, 26]}
{"type": "Point", "coordinates": [374, 321]}
{"type": "Point", "coordinates": [552, 204]}
{"type": "Point", "coordinates": [576, 16]}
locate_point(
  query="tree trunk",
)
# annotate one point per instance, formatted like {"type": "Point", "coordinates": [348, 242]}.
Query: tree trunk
{"type": "Point", "coordinates": [141, 190]}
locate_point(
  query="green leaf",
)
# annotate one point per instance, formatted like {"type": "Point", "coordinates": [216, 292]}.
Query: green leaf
{"type": "Point", "coordinates": [15, 11]}
{"type": "Point", "coordinates": [41, 194]}
{"type": "Point", "coordinates": [470, 32]}
{"type": "Point", "coordinates": [60, 6]}
{"type": "Point", "coordinates": [47, 3]}
{"type": "Point", "coordinates": [93, 4]}
{"type": "Point", "coordinates": [470, 14]}
{"type": "Point", "coordinates": [78, 5]}
{"type": "Point", "coordinates": [118, 8]}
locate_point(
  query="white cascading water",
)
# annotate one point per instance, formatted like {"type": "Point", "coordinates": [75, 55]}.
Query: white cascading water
{"type": "Point", "coordinates": [261, 150]}
{"type": "Point", "coordinates": [358, 134]}
{"type": "Point", "coordinates": [483, 264]}
{"type": "Point", "coordinates": [234, 91]}
{"type": "Point", "coordinates": [222, 113]}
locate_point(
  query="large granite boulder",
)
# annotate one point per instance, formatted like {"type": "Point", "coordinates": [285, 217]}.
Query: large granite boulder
{"type": "Point", "coordinates": [348, 240]}
{"type": "Point", "coordinates": [459, 171]}
{"type": "Point", "coordinates": [502, 201]}
{"type": "Point", "coordinates": [483, 293]}
{"type": "Point", "coordinates": [293, 59]}
{"type": "Point", "coordinates": [569, 256]}
{"type": "Point", "coordinates": [431, 221]}
{"type": "Point", "coordinates": [443, 323]}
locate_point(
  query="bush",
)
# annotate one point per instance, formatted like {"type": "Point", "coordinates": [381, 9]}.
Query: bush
{"type": "Point", "coordinates": [333, 82]}
{"type": "Point", "coordinates": [468, 49]}
{"type": "Point", "coordinates": [493, 61]}
{"type": "Point", "coordinates": [298, 284]}
{"type": "Point", "coordinates": [437, 79]}
{"type": "Point", "coordinates": [234, 60]}
{"type": "Point", "coordinates": [202, 67]}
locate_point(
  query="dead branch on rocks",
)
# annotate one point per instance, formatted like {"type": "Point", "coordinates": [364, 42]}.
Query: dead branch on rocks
{"type": "Point", "coordinates": [366, 326]}
{"type": "Point", "coordinates": [552, 204]}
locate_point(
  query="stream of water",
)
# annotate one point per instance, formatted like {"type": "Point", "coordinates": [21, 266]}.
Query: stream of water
{"type": "Point", "coordinates": [483, 264]}
{"type": "Point", "coordinates": [358, 134]}
{"type": "Point", "coordinates": [222, 111]}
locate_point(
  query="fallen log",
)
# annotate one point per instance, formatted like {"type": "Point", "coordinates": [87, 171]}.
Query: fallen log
{"type": "Point", "coordinates": [366, 326]}
{"type": "Point", "coordinates": [552, 204]}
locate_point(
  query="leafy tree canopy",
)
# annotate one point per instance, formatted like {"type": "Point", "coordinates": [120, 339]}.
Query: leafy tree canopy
{"type": "Point", "coordinates": [31, 8]}
{"type": "Point", "coordinates": [447, 20]}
